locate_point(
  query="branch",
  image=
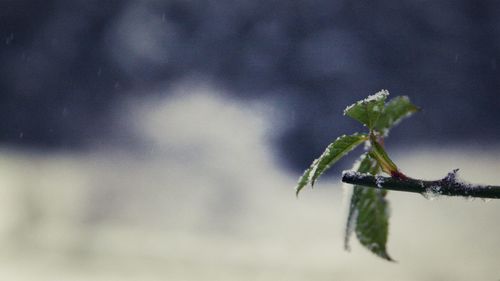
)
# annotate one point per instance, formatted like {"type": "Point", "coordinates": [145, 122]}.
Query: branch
{"type": "Point", "coordinates": [448, 186]}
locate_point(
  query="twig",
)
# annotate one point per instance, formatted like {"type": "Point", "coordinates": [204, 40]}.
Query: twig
{"type": "Point", "coordinates": [448, 186]}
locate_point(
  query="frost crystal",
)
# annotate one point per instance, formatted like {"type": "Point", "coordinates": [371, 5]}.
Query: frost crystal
{"type": "Point", "coordinates": [379, 181]}
{"type": "Point", "coordinates": [313, 170]}
{"type": "Point", "coordinates": [367, 146]}
{"type": "Point", "coordinates": [452, 176]}
{"type": "Point", "coordinates": [377, 96]}
{"type": "Point", "coordinates": [433, 192]}
{"type": "Point", "coordinates": [349, 173]}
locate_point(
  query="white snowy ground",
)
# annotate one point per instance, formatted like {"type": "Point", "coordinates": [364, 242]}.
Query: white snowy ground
{"type": "Point", "coordinates": [200, 197]}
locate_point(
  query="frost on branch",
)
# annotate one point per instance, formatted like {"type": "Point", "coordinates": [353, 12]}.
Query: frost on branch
{"type": "Point", "coordinates": [447, 186]}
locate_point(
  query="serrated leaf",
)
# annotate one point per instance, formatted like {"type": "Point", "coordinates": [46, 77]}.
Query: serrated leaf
{"type": "Point", "coordinates": [365, 164]}
{"type": "Point", "coordinates": [335, 151]}
{"type": "Point", "coordinates": [394, 111]}
{"type": "Point", "coordinates": [372, 222]}
{"type": "Point", "coordinates": [304, 179]}
{"type": "Point", "coordinates": [368, 111]}
{"type": "Point", "coordinates": [368, 213]}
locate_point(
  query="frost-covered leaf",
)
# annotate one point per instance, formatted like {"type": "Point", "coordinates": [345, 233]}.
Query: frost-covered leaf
{"type": "Point", "coordinates": [394, 111]}
{"type": "Point", "coordinates": [304, 179]}
{"type": "Point", "coordinates": [368, 111]}
{"type": "Point", "coordinates": [365, 164]}
{"type": "Point", "coordinates": [336, 150]}
{"type": "Point", "coordinates": [372, 221]}
{"type": "Point", "coordinates": [369, 213]}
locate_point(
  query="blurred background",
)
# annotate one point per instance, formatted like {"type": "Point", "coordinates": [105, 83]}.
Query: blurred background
{"type": "Point", "coordinates": [162, 139]}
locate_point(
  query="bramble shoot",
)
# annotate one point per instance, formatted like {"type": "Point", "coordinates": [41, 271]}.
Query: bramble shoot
{"type": "Point", "coordinates": [368, 215]}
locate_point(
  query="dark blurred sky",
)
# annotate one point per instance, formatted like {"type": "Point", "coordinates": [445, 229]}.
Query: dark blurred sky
{"type": "Point", "coordinates": [64, 64]}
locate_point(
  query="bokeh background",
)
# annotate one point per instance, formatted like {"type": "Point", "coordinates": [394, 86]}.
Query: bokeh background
{"type": "Point", "coordinates": [161, 140]}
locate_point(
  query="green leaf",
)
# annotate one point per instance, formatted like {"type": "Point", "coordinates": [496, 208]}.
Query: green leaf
{"type": "Point", "coordinates": [369, 214]}
{"type": "Point", "coordinates": [372, 223]}
{"type": "Point", "coordinates": [368, 111]}
{"type": "Point", "coordinates": [304, 179]}
{"type": "Point", "coordinates": [365, 164]}
{"type": "Point", "coordinates": [336, 150]}
{"type": "Point", "coordinates": [394, 111]}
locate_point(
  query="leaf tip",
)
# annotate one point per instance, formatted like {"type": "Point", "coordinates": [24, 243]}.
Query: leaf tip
{"type": "Point", "coordinates": [298, 188]}
{"type": "Point", "coordinates": [387, 257]}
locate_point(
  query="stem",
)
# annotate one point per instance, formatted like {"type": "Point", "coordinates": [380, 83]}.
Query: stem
{"type": "Point", "coordinates": [378, 153]}
{"type": "Point", "coordinates": [448, 186]}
